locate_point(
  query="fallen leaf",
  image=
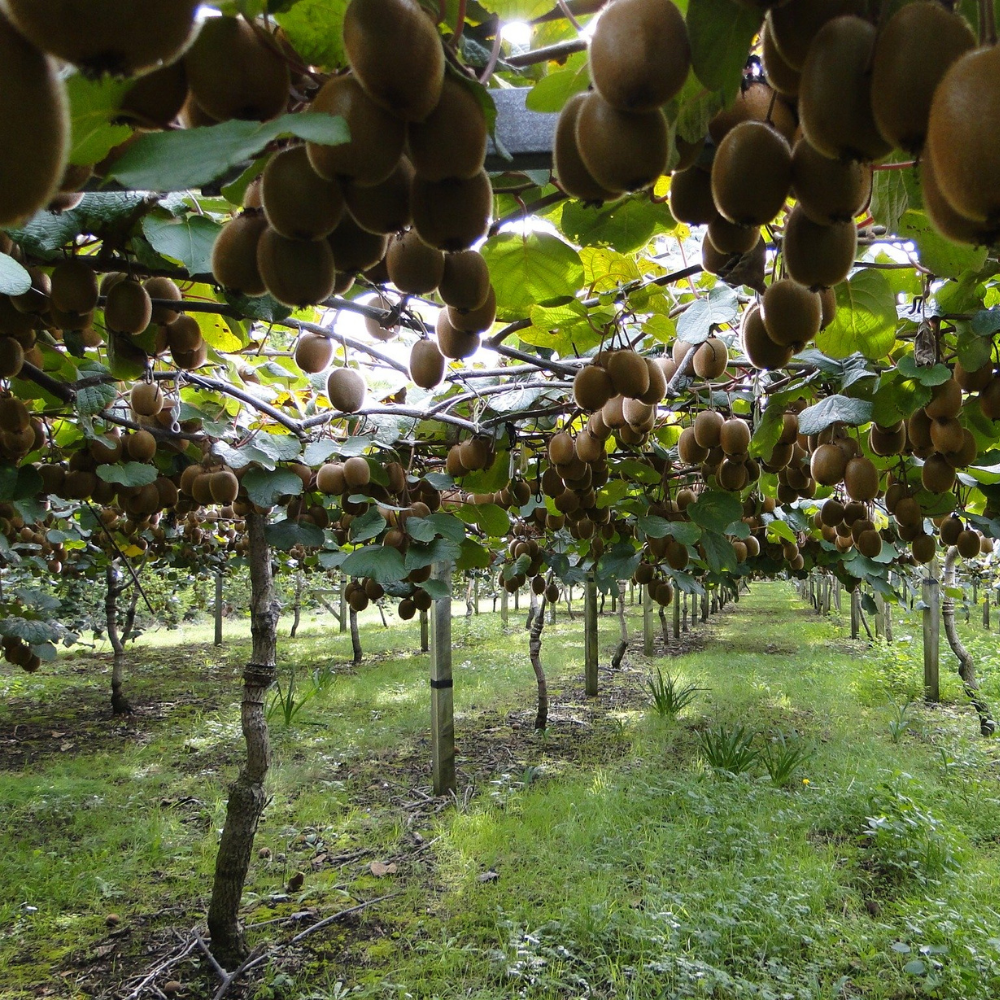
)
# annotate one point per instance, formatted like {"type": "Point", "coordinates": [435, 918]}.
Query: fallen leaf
{"type": "Point", "coordinates": [490, 876]}
{"type": "Point", "coordinates": [380, 870]}
{"type": "Point", "coordinates": [66, 746]}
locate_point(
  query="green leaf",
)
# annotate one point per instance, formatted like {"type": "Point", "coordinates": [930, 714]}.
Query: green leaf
{"type": "Point", "coordinates": [865, 320]}
{"type": "Point", "coordinates": [369, 525]}
{"type": "Point", "coordinates": [833, 410]}
{"type": "Point", "coordinates": [937, 253]}
{"type": "Point", "coordinates": [625, 225]}
{"type": "Point", "coordinates": [474, 556]}
{"type": "Point", "coordinates": [659, 527]}
{"type": "Point", "coordinates": [767, 432]}
{"type": "Point", "coordinates": [715, 511]}
{"type": "Point", "coordinates": [721, 306]}
{"type": "Point", "coordinates": [28, 630]}
{"type": "Point", "coordinates": [93, 107]}
{"type": "Point", "coordinates": [496, 477]}
{"type": "Point", "coordinates": [128, 474]}
{"type": "Point", "coordinates": [93, 399]}
{"type": "Point", "coordinates": [265, 487]}
{"type": "Point", "coordinates": [986, 322]}
{"type": "Point", "coordinates": [14, 279]}
{"type": "Point", "coordinates": [778, 531]}
{"type": "Point", "coordinates": [564, 329]}
{"type": "Point", "coordinates": [440, 550]}
{"type": "Point", "coordinates": [536, 269]}
{"type": "Point", "coordinates": [491, 517]}
{"type": "Point", "coordinates": [188, 240]}
{"type": "Point", "coordinates": [721, 32]}
{"type": "Point", "coordinates": [191, 158]}
{"type": "Point", "coordinates": [286, 534]}
{"type": "Point", "coordinates": [516, 10]}
{"type": "Point", "coordinates": [278, 447]}
{"type": "Point", "coordinates": [890, 198]}
{"type": "Point", "coordinates": [315, 29]}
{"type": "Point", "coordinates": [382, 563]}
{"type": "Point", "coordinates": [926, 374]}
{"type": "Point", "coordinates": [554, 89]}
{"type": "Point", "coordinates": [719, 552]}
{"type": "Point", "coordinates": [438, 589]}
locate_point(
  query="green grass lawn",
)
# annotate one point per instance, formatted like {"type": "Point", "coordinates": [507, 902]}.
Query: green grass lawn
{"type": "Point", "coordinates": [605, 857]}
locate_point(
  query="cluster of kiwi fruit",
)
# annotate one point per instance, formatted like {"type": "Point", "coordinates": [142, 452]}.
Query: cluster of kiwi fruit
{"type": "Point", "coordinates": [578, 468]}
{"type": "Point", "coordinates": [520, 544]}
{"type": "Point", "coordinates": [719, 447]}
{"type": "Point", "coordinates": [615, 138]}
{"type": "Point", "coordinates": [19, 653]}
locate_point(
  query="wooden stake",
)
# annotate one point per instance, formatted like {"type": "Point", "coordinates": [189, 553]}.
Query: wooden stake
{"type": "Point", "coordinates": [590, 636]}
{"type": "Point", "coordinates": [855, 613]}
{"type": "Point", "coordinates": [677, 617]}
{"type": "Point", "coordinates": [424, 632]}
{"type": "Point", "coordinates": [442, 690]}
{"type": "Point", "coordinates": [932, 633]}
{"type": "Point", "coordinates": [219, 577]}
{"type": "Point", "coordinates": [647, 622]}
{"type": "Point", "coordinates": [504, 609]}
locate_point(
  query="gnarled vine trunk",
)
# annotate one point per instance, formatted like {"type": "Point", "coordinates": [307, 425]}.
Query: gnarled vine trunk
{"type": "Point", "coordinates": [119, 703]}
{"type": "Point", "coordinates": [297, 605]}
{"type": "Point", "coordinates": [246, 793]}
{"type": "Point", "coordinates": [355, 639]}
{"type": "Point", "coordinates": [966, 665]}
{"type": "Point", "coordinates": [535, 652]}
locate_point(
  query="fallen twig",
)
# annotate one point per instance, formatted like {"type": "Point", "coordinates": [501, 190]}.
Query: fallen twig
{"type": "Point", "coordinates": [341, 913]}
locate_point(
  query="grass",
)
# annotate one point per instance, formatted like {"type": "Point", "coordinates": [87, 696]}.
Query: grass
{"type": "Point", "coordinates": [605, 858]}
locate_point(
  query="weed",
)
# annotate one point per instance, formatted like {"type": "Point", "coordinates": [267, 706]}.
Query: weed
{"type": "Point", "coordinates": [669, 699]}
{"type": "Point", "coordinates": [900, 721]}
{"type": "Point", "coordinates": [284, 705]}
{"type": "Point", "coordinates": [782, 757]}
{"type": "Point", "coordinates": [730, 751]}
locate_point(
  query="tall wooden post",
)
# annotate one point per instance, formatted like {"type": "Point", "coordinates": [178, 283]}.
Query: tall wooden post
{"type": "Point", "coordinates": [504, 612]}
{"type": "Point", "coordinates": [677, 617]}
{"type": "Point", "coordinates": [475, 593]}
{"type": "Point", "coordinates": [986, 610]}
{"type": "Point", "coordinates": [855, 613]}
{"type": "Point", "coordinates": [218, 606]}
{"type": "Point", "coordinates": [343, 603]}
{"type": "Point", "coordinates": [442, 689]}
{"type": "Point", "coordinates": [590, 646]}
{"type": "Point", "coordinates": [684, 613]}
{"type": "Point", "coordinates": [704, 606]}
{"type": "Point", "coordinates": [647, 622]}
{"type": "Point", "coordinates": [932, 632]}
{"type": "Point", "coordinates": [517, 599]}
{"type": "Point", "coordinates": [424, 632]}
{"type": "Point", "coordinates": [879, 616]}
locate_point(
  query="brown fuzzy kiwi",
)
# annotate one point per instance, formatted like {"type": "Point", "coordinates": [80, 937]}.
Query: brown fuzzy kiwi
{"type": "Point", "coordinates": [452, 214]}
{"type": "Point", "coordinates": [828, 191]}
{"type": "Point", "coordinates": [835, 108]}
{"type": "Point", "coordinates": [453, 343]}
{"type": "Point", "coordinates": [561, 449]}
{"type": "Point", "coordinates": [413, 266]}
{"type": "Point", "coordinates": [355, 249]}
{"type": "Point", "coordinates": [574, 178]}
{"type": "Point", "coordinates": [377, 137]}
{"type": "Point", "coordinates": [946, 220]}
{"type": "Point", "coordinates": [589, 448]}
{"type": "Point", "coordinates": [639, 54]}
{"type": "Point", "coordinates": [638, 414]}
{"type": "Point", "coordinates": [924, 548]}
{"type": "Point", "coordinates": [357, 472]}
{"type": "Point", "coordinates": [298, 203]}
{"type": "Point", "coordinates": [74, 286]}
{"type": "Point", "coordinates": [734, 437]}
{"type": "Point", "coordinates": [451, 141]}
{"type": "Point", "coordinates": [592, 388]}
{"type": "Point", "coordinates": [465, 280]}
{"type": "Point", "coordinates": [711, 358]}
{"type": "Point", "coordinates": [949, 529]}
{"type": "Point", "coordinates": [224, 486]}
{"type": "Point", "coordinates": [382, 208]}
{"type": "Point", "coordinates": [729, 239]}
{"type": "Point", "coordinates": [975, 380]}
{"type": "Point", "coordinates": [780, 75]}
{"type": "Point", "coordinates": [330, 479]}
{"type": "Point", "coordinates": [915, 49]}
{"type": "Point", "coordinates": [155, 100]}
{"type": "Point", "coordinates": [234, 256]}
{"type": "Point", "coordinates": [395, 51]}
{"type": "Point", "coordinates": [758, 346]}
{"type": "Point", "coordinates": [828, 302]}
{"type": "Point", "coordinates": [795, 24]}
{"type": "Point", "coordinates": [475, 320]}
{"type": "Point", "coordinates": [116, 36]}
{"type": "Point", "coordinates": [184, 335]}
{"type": "Point", "coordinates": [757, 102]}
{"type": "Point", "coordinates": [751, 174]}
{"type": "Point", "coordinates": [146, 399]}
{"type": "Point", "coordinates": [36, 298]}
{"type": "Point", "coordinates": [34, 127]}
{"type": "Point", "coordinates": [426, 364]}
{"type": "Point", "coordinates": [688, 449]}
{"type": "Point", "coordinates": [234, 73]}
{"type": "Point", "coordinates": [818, 256]}
{"type": "Point", "coordinates": [708, 428]}
{"type": "Point", "coordinates": [11, 357]}
{"type": "Point", "coordinates": [128, 308]}
{"type": "Point", "coordinates": [295, 272]}
{"type": "Point", "coordinates": [968, 544]}
{"type": "Point", "coordinates": [947, 435]}
{"type": "Point", "coordinates": [346, 390]}
{"type": "Point", "coordinates": [140, 446]}
{"type": "Point", "coordinates": [828, 464]}
{"type": "Point", "coordinates": [946, 400]}
{"type": "Point", "coordinates": [629, 373]}
{"type": "Point", "coordinates": [887, 440]}
{"type": "Point", "coordinates": [791, 313]}
{"type": "Point", "coordinates": [164, 290]}
{"type": "Point", "coordinates": [861, 479]}
{"type": "Point", "coordinates": [962, 142]}
{"type": "Point", "coordinates": [657, 382]}
{"type": "Point", "coordinates": [690, 197]}
{"type": "Point", "coordinates": [937, 475]}
{"type": "Point", "coordinates": [621, 151]}
{"type": "Point", "coordinates": [313, 353]}
{"type": "Point", "coordinates": [611, 413]}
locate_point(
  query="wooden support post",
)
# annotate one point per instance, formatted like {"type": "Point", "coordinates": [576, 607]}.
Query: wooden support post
{"type": "Point", "coordinates": [932, 633]}
{"type": "Point", "coordinates": [475, 596]}
{"type": "Point", "coordinates": [704, 606]}
{"type": "Point", "coordinates": [424, 632]}
{"type": "Point", "coordinates": [684, 614]}
{"type": "Point", "coordinates": [590, 636]}
{"type": "Point", "coordinates": [442, 691]}
{"type": "Point", "coordinates": [879, 616]}
{"type": "Point", "coordinates": [647, 622]}
{"type": "Point", "coordinates": [517, 600]}
{"type": "Point", "coordinates": [986, 611]}
{"type": "Point", "coordinates": [614, 600]}
{"type": "Point", "coordinates": [677, 617]}
{"type": "Point", "coordinates": [855, 613]}
{"type": "Point", "coordinates": [504, 613]}
{"type": "Point", "coordinates": [219, 576]}
{"type": "Point", "coordinates": [343, 602]}
{"type": "Point", "coordinates": [836, 594]}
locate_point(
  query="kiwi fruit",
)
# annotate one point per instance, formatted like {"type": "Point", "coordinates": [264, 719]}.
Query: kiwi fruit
{"type": "Point", "coordinates": [475, 320]}
{"type": "Point", "coordinates": [975, 380]}
{"type": "Point", "coordinates": [395, 52]}
{"type": "Point", "coordinates": [234, 255]}
{"type": "Point", "coordinates": [234, 73]}
{"type": "Point", "coordinates": [835, 106]}
{"type": "Point", "coordinates": [793, 25]}
{"type": "Point", "coordinates": [818, 256]}
{"type": "Point", "coordinates": [355, 249]}
{"type": "Point", "coordinates": [36, 298]}
{"type": "Point", "coordinates": [734, 436]}
{"type": "Point", "coordinates": [946, 400]}
{"type": "Point", "coordinates": [589, 448]}
{"type": "Point", "coordinates": [924, 548]}
{"type": "Point", "coordinates": [296, 272]}
{"type": "Point", "coordinates": [127, 308]}
{"type": "Point", "coordinates": [155, 100]}
{"type": "Point", "coordinates": [688, 449]}
{"type": "Point", "coordinates": [140, 446]}
{"type": "Point", "coordinates": [828, 464]}
{"type": "Point", "coordinates": [708, 428]}
{"type": "Point", "coordinates": [779, 74]}
{"type": "Point", "coordinates": [690, 197]}
{"type": "Point", "coordinates": [887, 440]}
{"type": "Point", "coordinates": [913, 52]}
{"type": "Point", "coordinates": [224, 486]}
{"type": "Point", "coordinates": [346, 390]}
{"type": "Point", "coordinates": [357, 472]}
{"type": "Point", "coordinates": [164, 290]}
{"type": "Point", "coordinates": [861, 479]}
{"type": "Point", "coordinates": [454, 213]}
{"type": "Point", "coordinates": [963, 143]}
{"type": "Point", "coordinates": [298, 203]}
{"type": "Point", "coordinates": [755, 102]}
{"type": "Point", "coordinates": [121, 37]}
{"type": "Point", "coordinates": [711, 358]}
{"type": "Point", "coordinates": [968, 544]}
{"type": "Point", "coordinates": [313, 353]}
{"type": "Point", "coordinates": [751, 174]}
{"type": "Point", "coordinates": [629, 373]}
{"type": "Point", "coordinates": [791, 313]}
{"type": "Point", "coordinates": [639, 54]}
{"type": "Point", "coordinates": [453, 343]}
{"type": "Point", "coordinates": [74, 286]}
{"type": "Point", "coordinates": [34, 127]}
{"type": "Point", "coordinates": [622, 151]}
{"type": "Point", "coordinates": [947, 435]}
{"type": "Point", "coordinates": [657, 383]}
{"type": "Point", "coordinates": [146, 399]}
{"type": "Point", "coordinates": [729, 238]}
{"type": "Point", "coordinates": [451, 141]}
{"type": "Point", "coordinates": [592, 387]}
{"type": "Point", "coordinates": [382, 208]}
{"type": "Point", "coordinates": [763, 352]}
{"type": "Point", "coordinates": [414, 267]}
{"type": "Point", "coordinates": [937, 475]}
{"type": "Point", "coordinates": [826, 190]}
{"type": "Point", "coordinates": [573, 176]}
{"type": "Point", "coordinates": [183, 334]}
{"type": "Point", "coordinates": [465, 280]}
{"type": "Point", "coordinates": [11, 357]}
{"type": "Point", "coordinates": [945, 219]}
{"type": "Point", "coordinates": [377, 137]}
